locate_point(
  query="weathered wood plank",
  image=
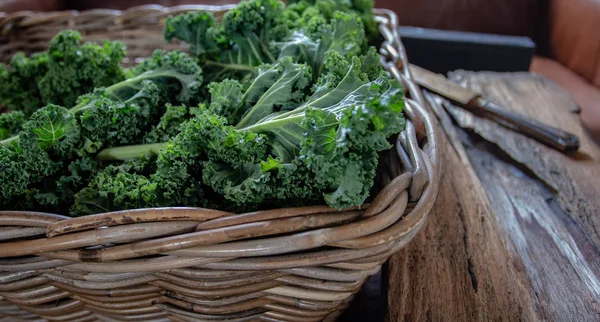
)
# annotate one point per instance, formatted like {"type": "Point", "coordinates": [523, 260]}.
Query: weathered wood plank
{"type": "Point", "coordinates": [561, 264]}
{"type": "Point", "coordinates": [500, 244]}
{"type": "Point", "coordinates": [576, 179]}
{"type": "Point", "coordinates": [458, 267]}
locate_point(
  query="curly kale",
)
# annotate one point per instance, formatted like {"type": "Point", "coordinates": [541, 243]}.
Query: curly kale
{"type": "Point", "coordinates": [306, 18]}
{"type": "Point", "coordinates": [47, 138]}
{"type": "Point", "coordinates": [276, 87]}
{"type": "Point", "coordinates": [11, 124]}
{"type": "Point", "coordinates": [116, 187]}
{"type": "Point", "coordinates": [18, 82]}
{"type": "Point", "coordinates": [51, 129]}
{"type": "Point", "coordinates": [14, 176]}
{"type": "Point", "coordinates": [252, 25]}
{"type": "Point", "coordinates": [177, 75]}
{"type": "Point", "coordinates": [75, 69]}
{"type": "Point", "coordinates": [75, 177]}
{"type": "Point", "coordinates": [242, 40]}
{"type": "Point", "coordinates": [226, 99]}
{"type": "Point", "coordinates": [106, 123]}
{"type": "Point", "coordinates": [194, 28]}
{"type": "Point", "coordinates": [339, 143]}
{"type": "Point", "coordinates": [334, 137]}
{"type": "Point", "coordinates": [258, 32]}
{"type": "Point", "coordinates": [205, 137]}
{"type": "Point", "coordinates": [180, 161]}
{"type": "Point", "coordinates": [169, 123]}
{"type": "Point", "coordinates": [59, 76]}
{"type": "Point", "coordinates": [56, 193]}
{"type": "Point", "coordinates": [53, 154]}
{"type": "Point", "coordinates": [274, 107]}
{"type": "Point", "coordinates": [342, 146]}
{"type": "Point", "coordinates": [344, 35]}
{"type": "Point", "coordinates": [327, 8]}
{"type": "Point", "coordinates": [326, 147]}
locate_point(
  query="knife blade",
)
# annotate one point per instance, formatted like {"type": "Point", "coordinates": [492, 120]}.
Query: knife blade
{"type": "Point", "coordinates": [553, 137]}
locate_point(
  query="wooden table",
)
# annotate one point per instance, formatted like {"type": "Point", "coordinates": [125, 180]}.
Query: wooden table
{"type": "Point", "coordinates": [515, 232]}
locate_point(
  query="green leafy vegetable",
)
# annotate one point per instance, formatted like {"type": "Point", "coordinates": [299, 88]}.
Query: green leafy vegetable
{"type": "Point", "coordinates": [175, 73]}
{"type": "Point", "coordinates": [59, 76]}
{"type": "Point", "coordinates": [18, 82]}
{"type": "Point", "coordinates": [169, 124]}
{"type": "Point", "coordinates": [226, 100]}
{"type": "Point", "coordinates": [344, 35]}
{"type": "Point", "coordinates": [56, 146]}
{"type": "Point", "coordinates": [326, 146]}
{"type": "Point", "coordinates": [75, 69]}
{"type": "Point", "coordinates": [11, 124]}
{"type": "Point", "coordinates": [274, 107]}
{"type": "Point", "coordinates": [193, 28]}
{"type": "Point", "coordinates": [279, 86]}
{"type": "Point", "coordinates": [117, 187]}
{"type": "Point", "coordinates": [242, 40]}
{"type": "Point", "coordinates": [327, 8]}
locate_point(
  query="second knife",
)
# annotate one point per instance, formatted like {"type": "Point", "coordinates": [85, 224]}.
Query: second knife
{"type": "Point", "coordinates": [555, 138]}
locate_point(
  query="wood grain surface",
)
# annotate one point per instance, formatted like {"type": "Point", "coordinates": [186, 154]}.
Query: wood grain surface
{"type": "Point", "coordinates": [515, 231]}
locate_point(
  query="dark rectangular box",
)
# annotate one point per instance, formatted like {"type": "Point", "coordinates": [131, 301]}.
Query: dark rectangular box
{"type": "Point", "coordinates": [442, 51]}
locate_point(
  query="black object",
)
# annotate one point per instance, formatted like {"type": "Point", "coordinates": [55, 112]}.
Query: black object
{"type": "Point", "coordinates": [441, 51]}
{"type": "Point", "coordinates": [369, 305]}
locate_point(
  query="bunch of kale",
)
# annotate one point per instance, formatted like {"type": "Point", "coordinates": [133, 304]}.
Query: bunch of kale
{"type": "Point", "coordinates": [276, 106]}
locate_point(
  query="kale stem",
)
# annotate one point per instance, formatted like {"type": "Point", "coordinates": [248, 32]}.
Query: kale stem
{"type": "Point", "coordinates": [7, 142]}
{"type": "Point", "coordinates": [266, 50]}
{"type": "Point", "coordinates": [135, 83]}
{"type": "Point", "coordinates": [128, 83]}
{"type": "Point", "coordinates": [275, 123]}
{"type": "Point", "coordinates": [124, 153]}
{"type": "Point", "coordinates": [230, 66]}
{"type": "Point", "coordinates": [315, 101]}
{"type": "Point", "coordinates": [77, 108]}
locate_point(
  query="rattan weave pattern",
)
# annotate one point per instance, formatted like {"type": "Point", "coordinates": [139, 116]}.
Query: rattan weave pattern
{"type": "Point", "coordinates": [186, 264]}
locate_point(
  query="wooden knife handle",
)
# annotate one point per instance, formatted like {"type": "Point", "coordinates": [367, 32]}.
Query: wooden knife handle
{"type": "Point", "coordinates": [560, 140]}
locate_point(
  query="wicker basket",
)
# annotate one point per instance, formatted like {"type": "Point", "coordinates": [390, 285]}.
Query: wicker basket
{"type": "Point", "coordinates": [188, 264]}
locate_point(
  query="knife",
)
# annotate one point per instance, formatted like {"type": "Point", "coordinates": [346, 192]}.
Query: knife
{"type": "Point", "coordinates": [558, 139]}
